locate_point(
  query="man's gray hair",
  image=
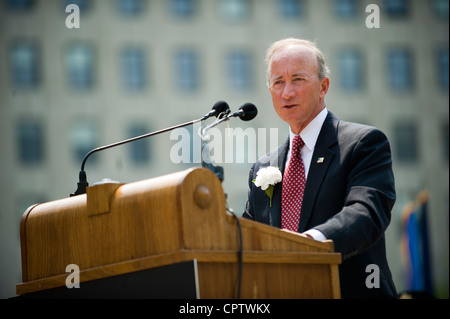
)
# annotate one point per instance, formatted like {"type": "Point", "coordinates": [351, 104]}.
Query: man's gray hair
{"type": "Point", "coordinates": [276, 46]}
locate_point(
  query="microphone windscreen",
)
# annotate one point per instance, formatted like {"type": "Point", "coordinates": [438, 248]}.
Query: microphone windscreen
{"type": "Point", "coordinates": [220, 107]}
{"type": "Point", "coordinates": [249, 112]}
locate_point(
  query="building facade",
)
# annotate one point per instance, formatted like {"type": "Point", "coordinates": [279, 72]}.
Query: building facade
{"type": "Point", "coordinates": [128, 67]}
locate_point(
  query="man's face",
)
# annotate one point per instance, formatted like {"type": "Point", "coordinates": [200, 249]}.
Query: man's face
{"type": "Point", "coordinates": [297, 93]}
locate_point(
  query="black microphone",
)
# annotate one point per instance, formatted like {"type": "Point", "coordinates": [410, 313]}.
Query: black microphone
{"type": "Point", "coordinates": [246, 112]}
{"type": "Point", "coordinates": [219, 107]}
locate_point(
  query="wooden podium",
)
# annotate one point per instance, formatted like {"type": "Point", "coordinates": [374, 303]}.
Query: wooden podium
{"type": "Point", "coordinates": [131, 238]}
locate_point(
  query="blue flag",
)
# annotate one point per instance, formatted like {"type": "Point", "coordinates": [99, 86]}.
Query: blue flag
{"type": "Point", "coordinates": [416, 246]}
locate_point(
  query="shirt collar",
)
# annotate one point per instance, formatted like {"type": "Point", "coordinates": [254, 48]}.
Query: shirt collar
{"type": "Point", "coordinates": [311, 132]}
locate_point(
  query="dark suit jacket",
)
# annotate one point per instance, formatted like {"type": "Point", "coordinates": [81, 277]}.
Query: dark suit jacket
{"type": "Point", "coordinates": [348, 197]}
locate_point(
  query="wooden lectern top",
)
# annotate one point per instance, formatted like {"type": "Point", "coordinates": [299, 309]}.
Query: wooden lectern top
{"type": "Point", "coordinates": [122, 228]}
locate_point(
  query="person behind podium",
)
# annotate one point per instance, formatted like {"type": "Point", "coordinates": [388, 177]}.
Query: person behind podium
{"type": "Point", "coordinates": [337, 179]}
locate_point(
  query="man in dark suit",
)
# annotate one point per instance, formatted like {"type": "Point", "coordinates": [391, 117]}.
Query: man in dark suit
{"type": "Point", "coordinates": [349, 190]}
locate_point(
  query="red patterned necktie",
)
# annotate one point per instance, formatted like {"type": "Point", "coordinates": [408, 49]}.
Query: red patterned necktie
{"type": "Point", "coordinates": [293, 187]}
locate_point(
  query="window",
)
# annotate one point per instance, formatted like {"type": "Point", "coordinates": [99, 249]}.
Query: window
{"type": "Point", "coordinates": [234, 10]}
{"type": "Point", "coordinates": [406, 142]}
{"type": "Point", "coordinates": [79, 63]}
{"type": "Point", "coordinates": [440, 8]}
{"type": "Point", "coordinates": [140, 149]}
{"type": "Point", "coordinates": [291, 8]}
{"type": "Point", "coordinates": [84, 5]}
{"type": "Point", "coordinates": [239, 68]}
{"type": "Point", "coordinates": [345, 9]}
{"type": "Point", "coordinates": [186, 70]}
{"type": "Point", "coordinates": [131, 8]}
{"type": "Point", "coordinates": [400, 70]}
{"type": "Point", "coordinates": [20, 4]}
{"type": "Point", "coordinates": [30, 141]}
{"type": "Point", "coordinates": [24, 63]}
{"type": "Point", "coordinates": [183, 8]}
{"type": "Point", "coordinates": [351, 75]}
{"type": "Point", "coordinates": [134, 75]}
{"type": "Point", "coordinates": [442, 68]}
{"type": "Point", "coordinates": [396, 8]}
{"type": "Point", "coordinates": [83, 139]}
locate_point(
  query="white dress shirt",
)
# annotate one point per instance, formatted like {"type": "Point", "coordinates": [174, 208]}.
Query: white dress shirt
{"type": "Point", "coordinates": [309, 135]}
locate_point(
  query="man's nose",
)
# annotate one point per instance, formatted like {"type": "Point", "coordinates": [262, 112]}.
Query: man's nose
{"type": "Point", "coordinates": [288, 91]}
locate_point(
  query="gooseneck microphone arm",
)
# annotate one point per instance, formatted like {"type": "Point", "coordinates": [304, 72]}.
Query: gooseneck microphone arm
{"type": "Point", "coordinates": [218, 108]}
{"type": "Point", "coordinates": [101, 148]}
{"type": "Point", "coordinates": [82, 184]}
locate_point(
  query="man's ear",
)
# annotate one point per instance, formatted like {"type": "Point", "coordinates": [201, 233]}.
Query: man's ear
{"type": "Point", "coordinates": [324, 85]}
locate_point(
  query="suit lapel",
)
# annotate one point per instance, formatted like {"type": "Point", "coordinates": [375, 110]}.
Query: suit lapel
{"type": "Point", "coordinates": [320, 161]}
{"type": "Point", "coordinates": [279, 159]}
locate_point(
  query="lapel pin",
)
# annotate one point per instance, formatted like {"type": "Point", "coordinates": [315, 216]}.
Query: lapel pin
{"type": "Point", "coordinates": [320, 160]}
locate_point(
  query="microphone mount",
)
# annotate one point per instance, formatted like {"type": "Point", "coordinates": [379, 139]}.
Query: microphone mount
{"type": "Point", "coordinates": [220, 118]}
{"type": "Point", "coordinates": [217, 170]}
{"type": "Point", "coordinates": [246, 113]}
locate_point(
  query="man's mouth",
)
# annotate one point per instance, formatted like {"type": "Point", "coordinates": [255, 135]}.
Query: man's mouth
{"type": "Point", "coordinates": [290, 106]}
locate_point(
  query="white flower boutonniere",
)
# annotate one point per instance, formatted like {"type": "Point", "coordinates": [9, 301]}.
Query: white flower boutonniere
{"type": "Point", "coordinates": [266, 178]}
